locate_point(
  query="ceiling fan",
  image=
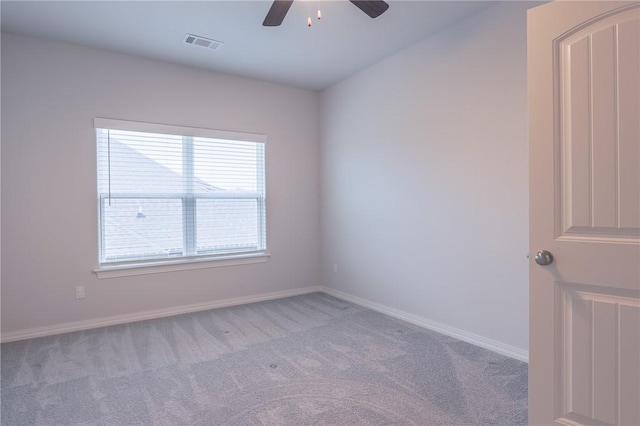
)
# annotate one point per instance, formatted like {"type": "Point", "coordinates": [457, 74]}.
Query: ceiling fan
{"type": "Point", "coordinates": [279, 9]}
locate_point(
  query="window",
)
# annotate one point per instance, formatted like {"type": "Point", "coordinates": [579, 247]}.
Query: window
{"type": "Point", "coordinates": [176, 193]}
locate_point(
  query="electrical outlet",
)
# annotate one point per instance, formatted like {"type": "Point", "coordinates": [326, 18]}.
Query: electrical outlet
{"type": "Point", "coordinates": [335, 268]}
{"type": "Point", "coordinates": [80, 292]}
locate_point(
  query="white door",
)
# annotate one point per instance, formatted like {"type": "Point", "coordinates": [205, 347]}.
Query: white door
{"type": "Point", "coordinates": [584, 136]}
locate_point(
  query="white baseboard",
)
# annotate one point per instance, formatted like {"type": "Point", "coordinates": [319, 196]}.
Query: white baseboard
{"type": "Point", "coordinates": [474, 339]}
{"type": "Point", "coordinates": [145, 315]}
{"type": "Point", "coordinates": [465, 336]}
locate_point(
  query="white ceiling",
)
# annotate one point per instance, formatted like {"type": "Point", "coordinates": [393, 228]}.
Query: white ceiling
{"type": "Point", "coordinates": [342, 43]}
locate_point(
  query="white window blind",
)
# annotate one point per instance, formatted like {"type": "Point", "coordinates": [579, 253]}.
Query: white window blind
{"type": "Point", "coordinates": [169, 192]}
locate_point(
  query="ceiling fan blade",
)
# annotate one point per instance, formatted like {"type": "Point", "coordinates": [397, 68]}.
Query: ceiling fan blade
{"type": "Point", "coordinates": [276, 14]}
{"type": "Point", "coordinates": [373, 8]}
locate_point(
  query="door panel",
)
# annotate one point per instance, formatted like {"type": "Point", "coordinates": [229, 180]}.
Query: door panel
{"type": "Point", "coordinates": [584, 136]}
{"type": "Point", "coordinates": [629, 111]}
{"type": "Point", "coordinates": [629, 337]}
{"type": "Point", "coordinates": [598, 355]}
{"type": "Point", "coordinates": [599, 141]}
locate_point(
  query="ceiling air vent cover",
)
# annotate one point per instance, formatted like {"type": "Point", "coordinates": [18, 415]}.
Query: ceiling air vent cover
{"type": "Point", "coordinates": [202, 42]}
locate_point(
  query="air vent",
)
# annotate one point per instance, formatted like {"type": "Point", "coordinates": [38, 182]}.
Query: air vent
{"type": "Point", "coordinates": [207, 43]}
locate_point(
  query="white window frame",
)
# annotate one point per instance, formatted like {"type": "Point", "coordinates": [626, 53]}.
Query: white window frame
{"type": "Point", "coordinates": [192, 259]}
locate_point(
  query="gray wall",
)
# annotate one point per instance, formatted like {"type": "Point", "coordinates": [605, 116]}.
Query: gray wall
{"type": "Point", "coordinates": [50, 94]}
{"type": "Point", "coordinates": [425, 184]}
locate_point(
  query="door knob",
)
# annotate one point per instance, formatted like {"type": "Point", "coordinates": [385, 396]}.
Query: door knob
{"type": "Point", "coordinates": [544, 257]}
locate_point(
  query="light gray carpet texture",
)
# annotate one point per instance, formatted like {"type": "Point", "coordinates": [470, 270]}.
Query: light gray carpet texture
{"type": "Point", "coordinates": [303, 360]}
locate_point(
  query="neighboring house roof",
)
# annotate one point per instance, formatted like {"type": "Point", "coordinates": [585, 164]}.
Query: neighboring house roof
{"type": "Point", "coordinates": [156, 177]}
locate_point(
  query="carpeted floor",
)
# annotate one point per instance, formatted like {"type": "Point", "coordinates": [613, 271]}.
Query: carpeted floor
{"type": "Point", "coordinates": [303, 360]}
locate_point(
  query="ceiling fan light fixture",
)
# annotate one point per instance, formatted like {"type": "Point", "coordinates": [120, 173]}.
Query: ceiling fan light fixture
{"type": "Point", "coordinates": [279, 9]}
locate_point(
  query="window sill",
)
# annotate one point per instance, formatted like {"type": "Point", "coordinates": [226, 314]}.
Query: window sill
{"type": "Point", "coordinates": [129, 270]}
